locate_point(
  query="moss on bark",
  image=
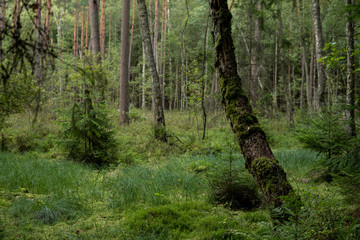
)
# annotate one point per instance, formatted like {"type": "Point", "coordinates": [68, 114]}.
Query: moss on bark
{"type": "Point", "coordinates": [259, 159]}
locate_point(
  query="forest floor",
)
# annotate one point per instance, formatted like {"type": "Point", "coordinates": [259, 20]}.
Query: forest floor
{"type": "Point", "coordinates": [161, 191]}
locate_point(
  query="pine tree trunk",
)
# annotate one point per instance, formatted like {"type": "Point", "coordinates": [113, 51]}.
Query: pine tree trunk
{"type": "Point", "coordinates": [87, 29]}
{"type": "Point", "coordinates": [259, 159]}
{"type": "Point", "coordinates": [319, 100]}
{"type": "Point", "coordinates": [102, 30]}
{"type": "Point", "coordinates": [159, 118]}
{"type": "Point", "coordinates": [109, 47]}
{"type": "Point", "coordinates": [124, 64]}
{"type": "Point", "coordinates": [82, 34]}
{"type": "Point", "coordinates": [75, 48]}
{"type": "Point", "coordinates": [350, 81]}
{"type": "Point", "coordinates": [95, 35]}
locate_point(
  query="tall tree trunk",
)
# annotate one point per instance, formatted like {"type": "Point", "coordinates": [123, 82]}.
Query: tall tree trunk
{"type": "Point", "coordinates": [87, 29]}
{"type": "Point", "coordinates": [350, 81]}
{"type": "Point", "coordinates": [124, 64]}
{"type": "Point", "coordinates": [132, 35]}
{"type": "Point", "coordinates": [143, 102]}
{"type": "Point", "coordinates": [310, 84]}
{"type": "Point", "coordinates": [319, 43]}
{"type": "Point", "coordinates": [156, 34]}
{"type": "Point", "coordinates": [102, 30]}
{"type": "Point", "coordinates": [75, 46]}
{"type": "Point", "coordinates": [82, 34]}
{"type": "Point", "coordinates": [176, 95]}
{"type": "Point", "coordinates": [255, 56]}
{"type": "Point", "coordinates": [38, 62]}
{"type": "Point", "coordinates": [159, 118]}
{"type": "Point", "coordinates": [2, 26]}
{"type": "Point", "coordinates": [259, 159]}
{"type": "Point", "coordinates": [184, 98]}
{"type": "Point", "coordinates": [109, 47]}
{"type": "Point", "coordinates": [95, 35]}
{"type": "Point", "coordinates": [163, 41]}
{"type": "Point", "coordinates": [276, 75]}
{"type": "Point", "coordinates": [204, 77]}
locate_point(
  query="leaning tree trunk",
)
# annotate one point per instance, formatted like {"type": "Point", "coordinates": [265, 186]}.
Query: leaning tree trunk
{"type": "Point", "coordinates": [350, 83]}
{"type": "Point", "coordinates": [259, 159]}
{"type": "Point", "coordinates": [156, 90]}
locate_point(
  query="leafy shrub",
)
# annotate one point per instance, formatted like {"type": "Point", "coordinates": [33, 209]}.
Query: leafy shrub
{"type": "Point", "coordinates": [234, 187]}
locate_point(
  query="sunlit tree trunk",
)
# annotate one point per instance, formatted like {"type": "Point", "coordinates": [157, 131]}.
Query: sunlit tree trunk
{"type": "Point", "coordinates": [102, 30]}
{"type": "Point", "coordinates": [259, 159]}
{"type": "Point", "coordinates": [159, 118]}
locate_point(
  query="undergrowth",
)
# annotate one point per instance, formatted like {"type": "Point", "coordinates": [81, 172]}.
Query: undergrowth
{"type": "Point", "coordinates": [162, 191]}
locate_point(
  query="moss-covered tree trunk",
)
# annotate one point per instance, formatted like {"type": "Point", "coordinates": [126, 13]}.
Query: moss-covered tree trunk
{"type": "Point", "coordinates": [259, 159]}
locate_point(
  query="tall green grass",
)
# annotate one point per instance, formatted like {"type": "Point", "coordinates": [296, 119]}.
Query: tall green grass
{"type": "Point", "coordinates": [31, 174]}
{"type": "Point", "coordinates": [153, 185]}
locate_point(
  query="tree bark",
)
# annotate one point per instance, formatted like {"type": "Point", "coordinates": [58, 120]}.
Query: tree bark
{"type": "Point", "coordinates": [95, 35]}
{"type": "Point", "coordinates": [309, 93]}
{"type": "Point", "coordinates": [38, 62]}
{"type": "Point", "coordinates": [156, 34]}
{"type": "Point", "coordinates": [87, 28]}
{"type": "Point", "coordinates": [124, 64]}
{"type": "Point", "coordinates": [75, 45]}
{"type": "Point", "coordinates": [319, 100]}
{"type": "Point", "coordinates": [259, 159]}
{"type": "Point", "coordinates": [255, 57]}
{"type": "Point", "coordinates": [159, 118]}
{"type": "Point", "coordinates": [2, 26]}
{"type": "Point", "coordinates": [82, 35]}
{"type": "Point", "coordinates": [350, 81]}
{"type": "Point", "coordinates": [102, 30]}
{"type": "Point", "coordinates": [143, 102]}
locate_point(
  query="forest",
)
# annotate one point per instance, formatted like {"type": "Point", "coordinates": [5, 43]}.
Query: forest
{"type": "Point", "coordinates": [182, 119]}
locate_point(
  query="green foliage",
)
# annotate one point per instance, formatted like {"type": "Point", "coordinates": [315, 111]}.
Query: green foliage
{"type": "Point", "coordinates": [156, 186]}
{"type": "Point", "coordinates": [87, 131]}
{"type": "Point", "coordinates": [232, 186]}
{"type": "Point", "coordinates": [324, 133]}
{"type": "Point", "coordinates": [29, 174]}
{"type": "Point", "coordinates": [47, 210]}
{"type": "Point", "coordinates": [321, 217]}
{"type": "Point", "coordinates": [20, 135]}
